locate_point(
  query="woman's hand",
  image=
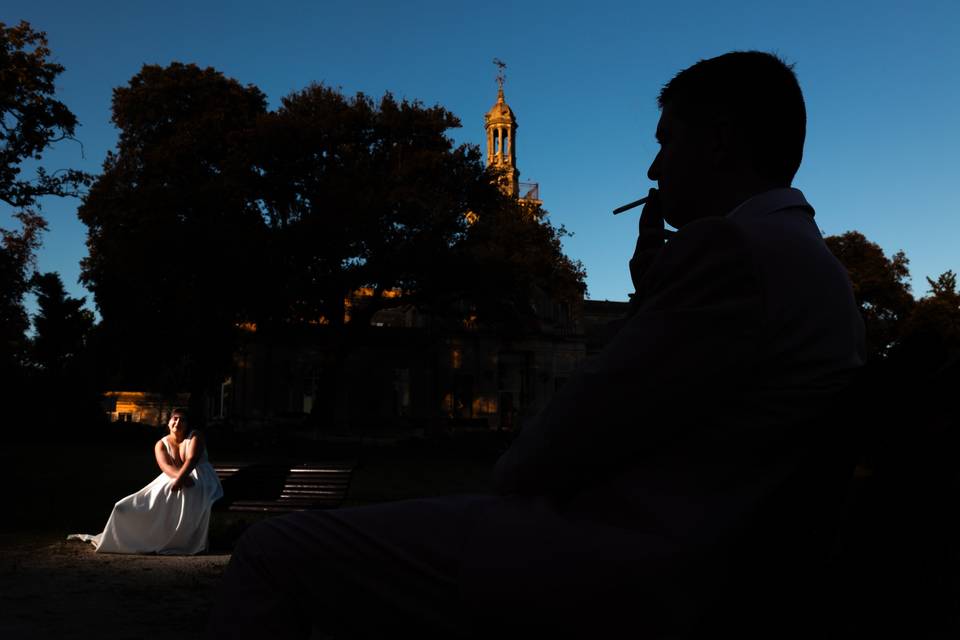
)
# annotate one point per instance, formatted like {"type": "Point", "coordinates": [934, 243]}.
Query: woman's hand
{"type": "Point", "coordinates": [182, 482]}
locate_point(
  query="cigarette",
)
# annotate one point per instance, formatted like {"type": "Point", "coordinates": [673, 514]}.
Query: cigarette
{"type": "Point", "coordinates": [627, 207]}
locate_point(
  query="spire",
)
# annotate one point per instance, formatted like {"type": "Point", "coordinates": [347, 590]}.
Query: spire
{"type": "Point", "coordinates": [501, 76]}
{"type": "Point", "coordinates": [501, 126]}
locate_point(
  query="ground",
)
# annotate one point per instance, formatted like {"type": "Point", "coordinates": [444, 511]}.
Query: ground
{"type": "Point", "coordinates": [51, 588]}
{"type": "Point", "coordinates": [899, 577]}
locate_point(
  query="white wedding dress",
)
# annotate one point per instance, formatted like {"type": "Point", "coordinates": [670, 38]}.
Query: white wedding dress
{"type": "Point", "coordinates": [158, 520]}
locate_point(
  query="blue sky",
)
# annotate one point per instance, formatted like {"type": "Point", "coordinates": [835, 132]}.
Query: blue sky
{"type": "Point", "coordinates": [881, 80]}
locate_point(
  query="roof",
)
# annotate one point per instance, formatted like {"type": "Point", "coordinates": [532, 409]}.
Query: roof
{"type": "Point", "coordinates": [500, 112]}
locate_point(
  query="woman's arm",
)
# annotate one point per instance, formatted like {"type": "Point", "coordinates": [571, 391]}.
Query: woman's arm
{"type": "Point", "coordinates": [194, 450]}
{"type": "Point", "coordinates": [164, 461]}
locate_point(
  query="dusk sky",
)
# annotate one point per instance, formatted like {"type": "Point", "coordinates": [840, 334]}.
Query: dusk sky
{"type": "Point", "coordinates": [881, 80]}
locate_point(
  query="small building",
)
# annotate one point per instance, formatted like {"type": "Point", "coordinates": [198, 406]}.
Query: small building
{"type": "Point", "coordinates": [144, 407]}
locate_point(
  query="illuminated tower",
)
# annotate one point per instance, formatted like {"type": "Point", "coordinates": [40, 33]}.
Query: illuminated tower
{"type": "Point", "coordinates": [501, 128]}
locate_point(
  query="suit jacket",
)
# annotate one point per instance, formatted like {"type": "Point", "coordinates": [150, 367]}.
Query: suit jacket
{"type": "Point", "coordinates": [744, 329]}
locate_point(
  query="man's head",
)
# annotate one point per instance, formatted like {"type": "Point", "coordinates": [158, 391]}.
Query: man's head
{"type": "Point", "coordinates": [731, 127]}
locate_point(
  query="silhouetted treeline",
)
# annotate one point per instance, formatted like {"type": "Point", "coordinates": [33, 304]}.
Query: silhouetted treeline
{"type": "Point", "coordinates": [214, 213]}
{"type": "Point", "coordinates": [898, 556]}
{"type": "Point", "coordinates": [33, 371]}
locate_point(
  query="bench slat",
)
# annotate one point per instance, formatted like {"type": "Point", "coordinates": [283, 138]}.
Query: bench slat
{"type": "Point", "coordinates": [271, 488]}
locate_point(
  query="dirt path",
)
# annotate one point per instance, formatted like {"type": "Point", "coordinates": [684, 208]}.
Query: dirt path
{"type": "Point", "coordinates": [51, 588]}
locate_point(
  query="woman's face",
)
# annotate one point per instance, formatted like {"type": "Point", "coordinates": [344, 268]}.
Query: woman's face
{"type": "Point", "coordinates": [177, 426]}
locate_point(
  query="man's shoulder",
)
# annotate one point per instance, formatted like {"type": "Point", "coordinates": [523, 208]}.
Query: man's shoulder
{"type": "Point", "coordinates": [713, 240]}
{"type": "Point", "coordinates": [710, 254]}
{"type": "Point", "coordinates": [776, 219]}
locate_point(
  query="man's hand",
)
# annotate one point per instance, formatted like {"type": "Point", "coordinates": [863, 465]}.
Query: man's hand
{"type": "Point", "coordinates": [650, 238]}
{"type": "Point", "coordinates": [651, 234]}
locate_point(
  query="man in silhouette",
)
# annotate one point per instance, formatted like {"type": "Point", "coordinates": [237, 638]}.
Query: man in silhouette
{"type": "Point", "coordinates": [619, 506]}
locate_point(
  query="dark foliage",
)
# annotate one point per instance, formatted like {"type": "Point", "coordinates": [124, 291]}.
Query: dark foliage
{"type": "Point", "coordinates": [931, 334]}
{"type": "Point", "coordinates": [174, 234]}
{"type": "Point", "coordinates": [17, 250]}
{"type": "Point", "coordinates": [513, 261]}
{"type": "Point", "coordinates": [213, 213]}
{"type": "Point", "coordinates": [899, 552]}
{"type": "Point", "coordinates": [64, 394]}
{"type": "Point", "coordinates": [31, 120]}
{"type": "Point", "coordinates": [880, 285]}
{"type": "Point", "coordinates": [62, 327]}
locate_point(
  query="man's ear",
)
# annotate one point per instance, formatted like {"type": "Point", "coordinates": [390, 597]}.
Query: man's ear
{"type": "Point", "coordinates": [726, 144]}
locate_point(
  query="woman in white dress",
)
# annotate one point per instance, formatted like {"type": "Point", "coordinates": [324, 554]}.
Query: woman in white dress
{"type": "Point", "coordinates": [171, 515]}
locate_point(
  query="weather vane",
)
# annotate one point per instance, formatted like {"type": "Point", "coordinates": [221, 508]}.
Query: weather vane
{"type": "Point", "coordinates": [501, 76]}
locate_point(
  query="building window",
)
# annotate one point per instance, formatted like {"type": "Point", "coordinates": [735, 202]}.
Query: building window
{"type": "Point", "coordinates": [225, 399]}
{"type": "Point", "coordinates": [485, 406]}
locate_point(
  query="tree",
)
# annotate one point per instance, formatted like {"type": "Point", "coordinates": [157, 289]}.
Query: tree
{"type": "Point", "coordinates": [365, 195]}
{"type": "Point", "coordinates": [285, 216]}
{"type": "Point", "coordinates": [62, 327]}
{"type": "Point", "coordinates": [31, 120]}
{"type": "Point", "coordinates": [63, 391]}
{"type": "Point", "coordinates": [174, 232]}
{"type": "Point", "coordinates": [17, 249]}
{"type": "Point", "coordinates": [880, 285]}
{"type": "Point", "coordinates": [931, 334]}
{"type": "Point", "coordinates": [361, 195]}
{"type": "Point", "coordinates": [512, 258]}
{"type": "Point", "coordinates": [373, 196]}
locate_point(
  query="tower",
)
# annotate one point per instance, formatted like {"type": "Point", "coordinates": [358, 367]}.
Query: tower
{"type": "Point", "coordinates": [501, 126]}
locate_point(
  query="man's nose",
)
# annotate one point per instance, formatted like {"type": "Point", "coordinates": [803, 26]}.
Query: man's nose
{"type": "Point", "coordinates": [653, 173]}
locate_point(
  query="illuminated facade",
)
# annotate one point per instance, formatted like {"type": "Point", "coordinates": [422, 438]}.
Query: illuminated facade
{"type": "Point", "coordinates": [142, 406]}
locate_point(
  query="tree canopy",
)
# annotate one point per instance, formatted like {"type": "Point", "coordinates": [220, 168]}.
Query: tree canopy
{"type": "Point", "coordinates": [213, 212]}
{"type": "Point", "coordinates": [61, 325]}
{"type": "Point", "coordinates": [362, 194]}
{"type": "Point", "coordinates": [512, 258]}
{"type": "Point", "coordinates": [31, 120]}
{"type": "Point", "coordinates": [880, 285]}
{"type": "Point", "coordinates": [931, 334]}
{"type": "Point", "coordinates": [373, 195]}
{"type": "Point", "coordinates": [912, 338]}
{"type": "Point", "coordinates": [173, 226]}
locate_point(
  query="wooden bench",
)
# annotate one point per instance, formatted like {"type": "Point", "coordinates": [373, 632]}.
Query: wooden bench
{"type": "Point", "coordinates": [277, 488]}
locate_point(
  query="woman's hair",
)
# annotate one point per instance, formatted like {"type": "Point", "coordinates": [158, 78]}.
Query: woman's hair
{"type": "Point", "coordinates": [180, 411]}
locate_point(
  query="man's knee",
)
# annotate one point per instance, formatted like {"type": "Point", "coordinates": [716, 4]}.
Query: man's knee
{"type": "Point", "coordinates": [250, 543]}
